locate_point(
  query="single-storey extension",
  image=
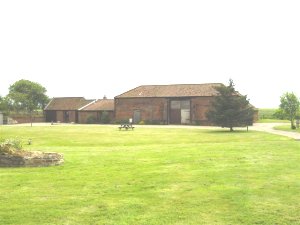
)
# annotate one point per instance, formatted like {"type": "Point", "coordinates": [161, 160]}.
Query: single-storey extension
{"type": "Point", "coordinates": [98, 111]}
{"type": "Point", "coordinates": [79, 110]}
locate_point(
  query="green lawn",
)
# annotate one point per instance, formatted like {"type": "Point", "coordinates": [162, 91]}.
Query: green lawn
{"type": "Point", "coordinates": [272, 121]}
{"type": "Point", "coordinates": [153, 176]}
{"type": "Point", "coordinates": [286, 128]}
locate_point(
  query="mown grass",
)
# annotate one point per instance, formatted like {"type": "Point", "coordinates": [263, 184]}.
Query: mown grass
{"type": "Point", "coordinates": [287, 128]}
{"type": "Point", "coordinates": [153, 176]}
{"type": "Point", "coordinates": [272, 121]}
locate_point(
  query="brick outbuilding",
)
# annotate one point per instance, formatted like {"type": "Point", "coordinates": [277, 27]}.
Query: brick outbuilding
{"type": "Point", "coordinates": [64, 109]}
{"type": "Point", "coordinates": [166, 104]}
{"type": "Point", "coordinates": [79, 110]}
{"type": "Point", "coordinates": [98, 111]}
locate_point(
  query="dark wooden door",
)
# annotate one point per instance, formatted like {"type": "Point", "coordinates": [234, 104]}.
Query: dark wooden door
{"type": "Point", "coordinates": [136, 116]}
{"type": "Point", "coordinates": [50, 116]}
{"type": "Point", "coordinates": [175, 116]}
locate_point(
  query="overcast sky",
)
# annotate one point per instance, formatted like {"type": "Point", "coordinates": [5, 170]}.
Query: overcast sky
{"type": "Point", "coordinates": [96, 48]}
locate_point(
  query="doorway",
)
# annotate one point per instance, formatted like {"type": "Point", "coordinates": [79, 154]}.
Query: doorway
{"type": "Point", "coordinates": [180, 112]}
{"type": "Point", "coordinates": [136, 116]}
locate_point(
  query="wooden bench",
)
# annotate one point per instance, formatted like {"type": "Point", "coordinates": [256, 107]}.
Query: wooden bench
{"type": "Point", "coordinates": [126, 126]}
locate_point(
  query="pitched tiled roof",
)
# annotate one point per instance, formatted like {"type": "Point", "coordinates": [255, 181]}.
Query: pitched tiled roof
{"type": "Point", "coordinates": [100, 105]}
{"type": "Point", "coordinates": [67, 103]}
{"type": "Point", "coordinates": [174, 90]}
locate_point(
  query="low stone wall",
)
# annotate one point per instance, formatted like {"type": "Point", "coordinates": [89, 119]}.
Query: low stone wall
{"type": "Point", "coordinates": [31, 159]}
{"type": "Point", "coordinates": [26, 119]}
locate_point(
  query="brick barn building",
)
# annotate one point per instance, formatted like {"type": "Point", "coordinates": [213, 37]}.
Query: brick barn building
{"type": "Point", "coordinates": [79, 110]}
{"type": "Point", "coordinates": [98, 111]}
{"type": "Point", "coordinates": [64, 109]}
{"type": "Point", "coordinates": [152, 104]}
{"type": "Point", "coordinates": [166, 104]}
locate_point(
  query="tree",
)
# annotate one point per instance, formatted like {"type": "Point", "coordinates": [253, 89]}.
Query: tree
{"type": "Point", "coordinates": [230, 109]}
{"type": "Point", "coordinates": [28, 96]}
{"type": "Point", "coordinates": [289, 104]}
{"type": "Point", "coordinates": [3, 106]}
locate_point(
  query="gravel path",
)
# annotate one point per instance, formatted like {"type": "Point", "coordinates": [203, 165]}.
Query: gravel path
{"type": "Point", "coordinates": [269, 127]}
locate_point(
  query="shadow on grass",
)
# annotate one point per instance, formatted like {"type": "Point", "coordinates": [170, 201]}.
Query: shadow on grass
{"type": "Point", "coordinates": [227, 131]}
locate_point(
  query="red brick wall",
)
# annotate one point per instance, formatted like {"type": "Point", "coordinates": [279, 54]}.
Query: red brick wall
{"type": "Point", "coordinates": [152, 109]}
{"type": "Point", "coordinates": [157, 109]}
{"type": "Point", "coordinates": [60, 116]}
{"type": "Point", "coordinates": [84, 115]}
{"type": "Point", "coordinates": [199, 108]}
{"type": "Point", "coordinates": [26, 119]}
{"type": "Point", "coordinates": [72, 116]}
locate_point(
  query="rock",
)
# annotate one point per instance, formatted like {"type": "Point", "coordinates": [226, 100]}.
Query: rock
{"type": "Point", "coordinates": [31, 159]}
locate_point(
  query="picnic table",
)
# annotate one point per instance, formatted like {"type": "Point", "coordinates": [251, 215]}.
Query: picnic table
{"type": "Point", "coordinates": [126, 126]}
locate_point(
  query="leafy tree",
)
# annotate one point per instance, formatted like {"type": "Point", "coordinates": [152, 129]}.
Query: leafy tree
{"type": "Point", "coordinates": [28, 96]}
{"type": "Point", "coordinates": [5, 106]}
{"type": "Point", "coordinates": [279, 114]}
{"type": "Point", "coordinates": [230, 109]}
{"type": "Point", "coordinates": [289, 104]}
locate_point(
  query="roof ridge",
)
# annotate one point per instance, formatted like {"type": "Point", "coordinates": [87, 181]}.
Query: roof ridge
{"type": "Point", "coordinates": [175, 84]}
{"type": "Point", "coordinates": [48, 104]}
{"type": "Point", "coordinates": [70, 97]}
{"type": "Point", "coordinates": [172, 90]}
{"type": "Point", "coordinates": [93, 101]}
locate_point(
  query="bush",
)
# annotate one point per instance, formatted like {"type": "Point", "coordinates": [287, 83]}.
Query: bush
{"type": "Point", "coordinates": [142, 122]}
{"type": "Point", "coordinates": [121, 121]}
{"type": "Point", "coordinates": [198, 122]}
{"type": "Point", "coordinates": [10, 146]}
{"type": "Point", "coordinates": [279, 114]}
{"type": "Point", "coordinates": [91, 120]}
{"type": "Point", "coordinates": [105, 118]}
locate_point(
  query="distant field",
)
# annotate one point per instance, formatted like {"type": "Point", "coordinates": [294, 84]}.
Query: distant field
{"type": "Point", "coordinates": [153, 176]}
{"type": "Point", "coordinates": [267, 116]}
{"type": "Point", "coordinates": [266, 113]}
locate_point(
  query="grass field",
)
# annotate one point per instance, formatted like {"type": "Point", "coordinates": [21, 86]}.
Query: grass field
{"type": "Point", "coordinates": [286, 128]}
{"type": "Point", "coordinates": [266, 115]}
{"type": "Point", "coordinates": [272, 121]}
{"type": "Point", "coordinates": [153, 176]}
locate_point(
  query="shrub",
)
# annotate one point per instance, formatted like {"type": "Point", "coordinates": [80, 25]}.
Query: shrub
{"type": "Point", "coordinates": [156, 122]}
{"type": "Point", "coordinates": [198, 122]}
{"type": "Point", "coordinates": [279, 114]}
{"type": "Point", "coordinates": [105, 117]}
{"type": "Point", "coordinates": [91, 120]}
{"type": "Point", "coordinates": [10, 146]}
{"type": "Point", "coordinates": [121, 121]}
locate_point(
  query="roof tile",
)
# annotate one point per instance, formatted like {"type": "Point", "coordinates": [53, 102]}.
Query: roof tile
{"type": "Point", "coordinates": [174, 90]}
{"type": "Point", "coordinates": [101, 104]}
{"type": "Point", "coordinates": [67, 103]}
